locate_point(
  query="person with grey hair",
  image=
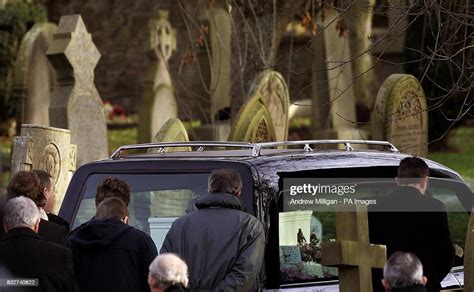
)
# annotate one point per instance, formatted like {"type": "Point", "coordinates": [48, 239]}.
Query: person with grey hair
{"type": "Point", "coordinates": [26, 255]}
{"type": "Point", "coordinates": [403, 272]}
{"type": "Point", "coordinates": [222, 245]}
{"type": "Point", "coordinates": [168, 273]}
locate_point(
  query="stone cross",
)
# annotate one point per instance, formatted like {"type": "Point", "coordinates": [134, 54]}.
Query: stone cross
{"type": "Point", "coordinates": [352, 253]}
{"type": "Point", "coordinates": [48, 149]}
{"type": "Point", "coordinates": [34, 77]}
{"type": "Point", "coordinates": [75, 103]}
{"type": "Point", "coordinates": [469, 256]}
{"type": "Point", "coordinates": [400, 114]}
{"type": "Point", "coordinates": [159, 102]}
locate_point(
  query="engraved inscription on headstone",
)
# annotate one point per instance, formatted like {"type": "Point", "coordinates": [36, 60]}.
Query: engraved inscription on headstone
{"type": "Point", "coordinates": [75, 103]}
{"type": "Point", "coordinates": [49, 149]}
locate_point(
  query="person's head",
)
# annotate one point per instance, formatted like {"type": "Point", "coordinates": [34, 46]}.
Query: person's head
{"type": "Point", "coordinates": [27, 184]}
{"type": "Point", "coordinates": [21, 212]}
{"type": "Point", "coordinates": [225, 181]}
{"type": "Point", "coordinates": [402, 270]}
{"type": "Point", "coordinates": [48, 188]}
{"type": "Point", "coordinates": [113, 187]}
{"type": "Point", "coordinates": [413, 171]}
{"type": "Point", "coordinates": [167, 270]}
{"type": "Point", "coordinates": [112, 207]}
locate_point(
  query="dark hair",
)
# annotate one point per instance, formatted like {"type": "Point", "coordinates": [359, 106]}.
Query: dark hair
{"type": "Point", "coordinates": [27, 184]}
{"type": "Point", "coordinates": [225, 181]}
{"type": "Point", "coordinates": [111, 207]}
{"type": "Point", "coordinates": [112, 187]}
{"type": "Point", "coordinates": [44, 177]}
{"type": "Point", "coordinates": [412, 170]}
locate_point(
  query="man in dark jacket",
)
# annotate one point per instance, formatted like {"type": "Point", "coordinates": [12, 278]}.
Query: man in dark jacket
{"type": "Point", "coordinates": [110, 255]}
{"type": "Point", "coordinates": [409, 221]}
{"type": "Point", "coordinates": [28, 184]}
{"type": "Point", "coordinates": [222, 246]}
{"type": "Point", "coordinates": [403, 272]}
{"type": "Point", "coordinates": [25, 255]}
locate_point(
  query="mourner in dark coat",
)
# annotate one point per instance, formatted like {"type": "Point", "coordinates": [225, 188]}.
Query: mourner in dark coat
{"type": "Point", "coordinates": [409, 221]}
{"type": "Point", "coordinates": [222, 245]}
{"type": "Point", "coordinates": [110, 255]}
{"type": "Point", "coordinates": [25, 255]}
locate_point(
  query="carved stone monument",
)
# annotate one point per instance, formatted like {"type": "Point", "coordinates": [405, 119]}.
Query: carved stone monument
{"type": "Point", "coordinates": [158, 103]}
{"type": "Point", "coordinates": [400, 114]}
{"type": "Point", "coordinates": [334, 105]}
{"type": "Point", "coordinates": [469, 256]}
{"type": "Point", "coordinates": [34, 77]}
{"type": "Point", "coordinates": [352, 253]}
{"type": "Point", "coordinates": [172, 131]}
{"type": "Point", "coordinates": [49, 149]}
{"type": "Point", "coordinates": [75, 103]}
{"type": "Point", "coordinates": [253, 123]}
{"type": "Point", "coordinates": [271, 88]}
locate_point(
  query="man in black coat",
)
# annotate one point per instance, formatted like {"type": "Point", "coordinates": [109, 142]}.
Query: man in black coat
{"type": "Point", "coordinates": [110, 255]}
{"type": "Point", "coordinates": [28, 184]}
{"type": "Point", "coordinates": [222, 245]}
{"type": "Point", "coordinates": [25, 255]}
{"type": "Point", "coordinates": [410, 221]}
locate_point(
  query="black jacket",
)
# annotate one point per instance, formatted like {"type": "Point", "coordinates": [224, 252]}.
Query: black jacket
{"type": "Point", "coordinates": [48, 231]}
{"type": "Point", "coordinates": [110, 255]}
{"type": "Point", "coordinates": [58, 220]}
{"type": "Point", "coordinates": [415, 227]}
{"type": "Point", "coordinates": [222, 246]}
{"type": "Point", "coordinates": [24, 254]}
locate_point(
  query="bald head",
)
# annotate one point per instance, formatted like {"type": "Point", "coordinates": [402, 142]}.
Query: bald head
{"type": "Point", "coordinates": [166, 270]}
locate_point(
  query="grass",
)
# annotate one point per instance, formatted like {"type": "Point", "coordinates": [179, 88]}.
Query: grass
{"type": "Point", "coordinates": [119, 137]}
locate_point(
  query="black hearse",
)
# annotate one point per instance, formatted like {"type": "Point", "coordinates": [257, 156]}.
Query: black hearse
{"type": "Point", "coordinates": [163, 184]}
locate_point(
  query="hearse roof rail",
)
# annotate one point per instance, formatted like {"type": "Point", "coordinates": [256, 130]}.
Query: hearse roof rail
{"type": "Point", "coordinates": [256, 147]}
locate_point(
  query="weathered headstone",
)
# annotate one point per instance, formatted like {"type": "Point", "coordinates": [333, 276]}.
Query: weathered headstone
{"type": "Point", "coordinates": [172, 131]}
{"type": "Point", "coordinates": [400, 114]}
{"type": "Point", "coordinates": [75, 103]}
{"type": "Point", "coordinates": [49, 149]}
{"type": "Point", "coordinates": [334, 106]}
{"type": "Point", "coordinates": [469, 256]}
{"type": "Point", "coordinates": [34, 77]}
{"type": "Point", "coordinates": [271, 88]}
{"type": "Point", "coordinates": [352, 253]}
{"type": "Point", "coordinates": [158, 103]}
{"type": "Point", "coordinates": [253, 123]}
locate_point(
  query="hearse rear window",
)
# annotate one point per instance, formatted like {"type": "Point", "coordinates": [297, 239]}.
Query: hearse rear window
{"type": "Point", "coordinates": [156, 199]}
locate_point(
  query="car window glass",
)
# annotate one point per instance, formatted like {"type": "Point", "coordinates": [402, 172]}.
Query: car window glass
{"type": "Point", "coordinates": [156, 199]}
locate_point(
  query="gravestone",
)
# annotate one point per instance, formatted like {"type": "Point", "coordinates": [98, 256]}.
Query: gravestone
{"type": "Point", "coordinates": [253, 123]}
{"type": "Point", "coordinates": [34, 77]}
{"type": "Point", "coordinates": [469, 256]}
{"type": "Point", "coordinates": [49, 149]}
{"type": "Point", "coordinates": [352, 253]}
{"type": "Point", "coordinates": [158, 103]}
{"type": "Point", "coordinates": [172, 131]}
{"type": "Point", "coordinates": [271, 88]}
{"type": "Point", "coordinates": [334, 105]}
{"type": "Point", "coordinates": [400, 114]}
{"type": "Point", "coordinates": [75, 102]}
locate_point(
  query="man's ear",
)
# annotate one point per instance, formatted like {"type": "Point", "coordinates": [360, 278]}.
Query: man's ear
{"type": "Point", "coordinates": [125, 220]}
{"type": "Point", "coordinates": [397, 181]}
{"type": "Point", "coordinates": [238, 194]}
{"type": "Point", "coordinates": [386, 285]}
{"type": "Point", "coordinates": [37, 224]}
{"type": "Point", "coordinates": [424, 280]}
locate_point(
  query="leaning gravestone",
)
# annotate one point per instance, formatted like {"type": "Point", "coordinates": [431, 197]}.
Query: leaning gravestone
{"type": "Point", "coordinates": [400, 114]}
{"type": "Point", "coordinates": [271, 88]}
{"type": "Point", "coordinates": [469, 256]}
{"type": "Point", "coordinates": [75, 103]}
{"type": "Point", "coordinates": [159, 103]}
{"type": "Point", "coordinates": [49, 149]}
{"type": "Point", "coordinates": [253, 123]}
{"type": "Point", "coordinates": [172, 131]}
{"type": "Point", "coordinates": [34, 77]}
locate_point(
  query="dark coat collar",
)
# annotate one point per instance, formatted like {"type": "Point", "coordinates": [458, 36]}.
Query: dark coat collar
{"type": "Point", "coordinates": [414, 288]}
{"type": "Point", "coordinates": [219, 200]}
{"type": "Point", "coordinates": [20, 231]}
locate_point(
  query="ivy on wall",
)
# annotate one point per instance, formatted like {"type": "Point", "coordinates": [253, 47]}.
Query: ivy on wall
{"type": "Point", "coordinates": [16, 18]}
